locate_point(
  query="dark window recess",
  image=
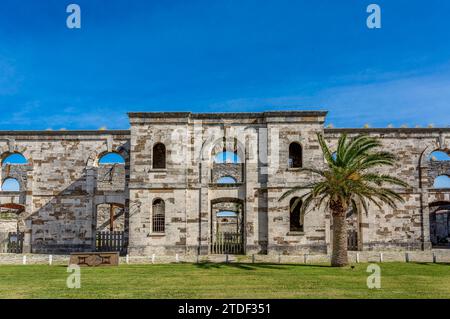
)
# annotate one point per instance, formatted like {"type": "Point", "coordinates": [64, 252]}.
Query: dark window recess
{"type": "Point", "coordinates": [295, 155]}
{"type": "Point", "coordinates": [159, 156]}
{"type": "Point", "coordinates": [296, 219]}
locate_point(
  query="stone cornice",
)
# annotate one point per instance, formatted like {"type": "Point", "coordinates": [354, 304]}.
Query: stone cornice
{"type": "Point", "coordinates": [236, 117]}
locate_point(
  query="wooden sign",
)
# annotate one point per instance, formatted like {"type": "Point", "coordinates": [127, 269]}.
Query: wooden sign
{"type": "Point", "coordinates": [95, 259]}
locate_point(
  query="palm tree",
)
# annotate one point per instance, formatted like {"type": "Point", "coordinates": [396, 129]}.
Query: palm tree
{"type": "Point", "coordinates": [349, 179]}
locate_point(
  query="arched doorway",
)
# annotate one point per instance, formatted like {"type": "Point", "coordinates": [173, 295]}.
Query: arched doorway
{"type": "Point", "coordinates": [440, 224]}
{"type": "Point", "coordinates": [110, 228]}
{"type": "Point", "coordinates": [227, 227]}
{"type": "Point", "coordinates": [11, 239]}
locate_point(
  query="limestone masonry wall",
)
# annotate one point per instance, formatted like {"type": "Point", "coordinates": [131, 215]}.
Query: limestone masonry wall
{"type": "Point", "coordinates": [62, 184]}
{"type": "Point", "coordinates": [67, 195]}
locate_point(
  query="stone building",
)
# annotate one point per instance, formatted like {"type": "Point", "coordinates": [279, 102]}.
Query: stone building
{"type": "Point", "coordinates": [207, 184]}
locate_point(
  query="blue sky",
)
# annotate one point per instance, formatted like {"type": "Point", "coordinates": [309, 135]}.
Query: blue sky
{"type": "Point", "coordinates": [223, 56]}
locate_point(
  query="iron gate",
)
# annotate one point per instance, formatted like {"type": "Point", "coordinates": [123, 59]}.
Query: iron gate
{"type": "Point", "coordinates": [15, 243]}
{"type": "Point", "coordinates": [227, 243]}
{"type": "Point", "coordinates": [111, 241]}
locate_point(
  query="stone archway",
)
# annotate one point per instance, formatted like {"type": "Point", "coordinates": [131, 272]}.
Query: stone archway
{"type": "Point", "coordinates": [227, 227]}
{"type": "Point", "coordinates": [11, 239]}
{"type": "Point", "coordinates": [111, 232]}
{"type": "Point", "coordinates": [440, 224]}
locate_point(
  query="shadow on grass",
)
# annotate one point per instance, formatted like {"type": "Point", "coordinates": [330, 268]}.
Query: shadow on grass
{"type": "Point", "coordinates": [446, 264]}
{"type": "Point", "coordinates": [246, 266]}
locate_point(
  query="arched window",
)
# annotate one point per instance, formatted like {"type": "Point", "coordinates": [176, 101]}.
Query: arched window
{"type": "Point", "coordinates": [439, 156]}
{"type": "Point", "coordinates": [11, 185]}
{"type": "Point", "coordinates": [442, 181]}
{"type": "Point", "coordinates": [159, 155]}
{"type": "Point", "coordinates": [14, 159]}
{"type": "Point", "coordinates": [111, 158]}
{"type": "Point", "coordinates": [227, 157]}
{"type": "Point", "coordinates": [226, 180]}
{"type": "Point", "coordinates": [296, 218]}
{"type": "Point", "coordinates": [295, 155]}
{"type": "Point", "coordinates": [159, 216]}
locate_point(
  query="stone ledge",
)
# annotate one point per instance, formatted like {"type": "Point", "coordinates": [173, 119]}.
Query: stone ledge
{"type": "Point", "coordinates": [228, 115]}
{"type": "Point", "coordinates": [225, 185]}
{"type": "Point", "coordinates": [295, 233]}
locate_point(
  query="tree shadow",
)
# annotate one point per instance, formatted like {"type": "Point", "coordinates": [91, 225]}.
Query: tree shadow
{"type": "Point", "coordinates": [446, 264]}
{"type": "Point", "coordinates": [255, 266]}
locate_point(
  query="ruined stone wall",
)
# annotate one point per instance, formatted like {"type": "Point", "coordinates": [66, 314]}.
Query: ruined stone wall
{"type": "Point", "coordinates": [233, 170]}
{"type": "Point", "coordinates": [435, 169]}
{"type": "Point", "coordinates": [66, 194]}
{"type": "Point", "coordinates": [148, 184]}
{"type": "Point", "coordinates": [283, 132]}
{"type": "Point", "coordinates": [262, 142]}
{"type": "Point", "coordinates": [63, 184]}
{"type": "Point", "coordinates": [192, 141]}
{"type": "Point", "coordinates": [406, 227]}
{"type": "Point", "coordinates": [18, 172]}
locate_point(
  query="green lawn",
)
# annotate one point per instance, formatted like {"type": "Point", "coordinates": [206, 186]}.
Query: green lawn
{"type": "Point", "coordinates": [398, 280]}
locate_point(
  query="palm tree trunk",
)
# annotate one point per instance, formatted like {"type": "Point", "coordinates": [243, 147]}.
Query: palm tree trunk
{"type": "Point", "coordinates": [339, 256]}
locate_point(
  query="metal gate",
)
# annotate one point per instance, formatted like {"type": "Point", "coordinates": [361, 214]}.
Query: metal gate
{"type": "Point", "coordinates": [111, 241]}
{"type": "Point", "coordinates": [15, 243]}
{"type": "Point", "coordinates": [352, 240]}
{"type": "Point", "coordinates": [227, 243]}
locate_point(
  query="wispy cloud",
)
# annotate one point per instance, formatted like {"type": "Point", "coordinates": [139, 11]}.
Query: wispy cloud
{"type": "Point", "coordinates": [416, 100]}
{"type": "Point", "coordinates": [412, 98]}
{"type": "Point", "coordinates": [378, 98]}
{"type": "Point", "coordinates": [29, 117]}
{"type": "Point", "coordinates": [9, 80]}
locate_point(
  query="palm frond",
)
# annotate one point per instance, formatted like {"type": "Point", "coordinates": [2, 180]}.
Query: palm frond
{"type": "Point", "coordinates": [363, 203]}
{"type": "Point", "coordinates": [325, 150]}
{"type": "Point", "coordinates": [312, 170]}
{"type": "Point", "coordinates": [381, 179]}
{"type": "Point", "coordinates": [295, 189]}
{"type": "Point", "coordinates": [350, 177]}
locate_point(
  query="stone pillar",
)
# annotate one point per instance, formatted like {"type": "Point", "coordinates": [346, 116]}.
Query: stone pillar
{"type": "Point", "coordinates": [426, 241]}
{"type": "Point", "coordinates": [136, 239]}
{"type": "Point", "coordinates": [26, 249]}
{"type": "Point", "coordinates": [91, 179]}
{"type": "Point", "coordinates": [204, 215]}
{"type": "Point", "coordinates": [250, 208]}
{"type": "Point", "coordinates": [27, 219]}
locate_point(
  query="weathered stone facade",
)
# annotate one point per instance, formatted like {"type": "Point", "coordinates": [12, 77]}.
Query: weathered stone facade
{"type": "Point", "coordinates": [66, 196]}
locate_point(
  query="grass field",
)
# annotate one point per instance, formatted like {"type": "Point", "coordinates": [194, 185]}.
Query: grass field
{"type": "Point", "coordinates": [398, 280]}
